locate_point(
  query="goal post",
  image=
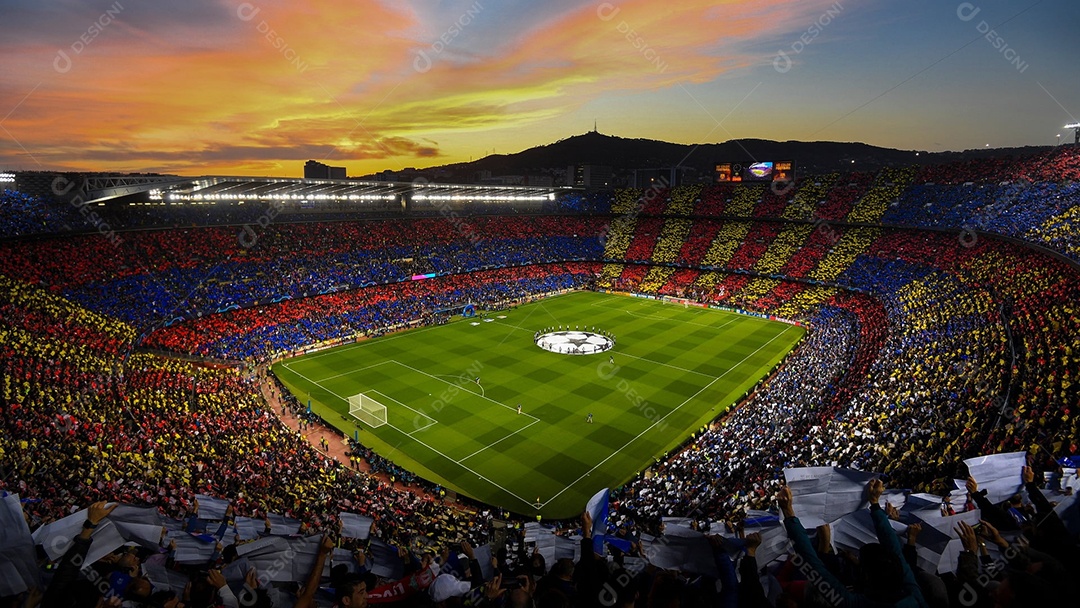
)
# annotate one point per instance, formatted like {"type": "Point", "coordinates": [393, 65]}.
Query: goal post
{"type": "Point", "coordinates": [367, 410]}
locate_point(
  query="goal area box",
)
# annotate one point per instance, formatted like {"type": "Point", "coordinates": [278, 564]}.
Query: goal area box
{"type": "Point", "coordinates": [367, 410]}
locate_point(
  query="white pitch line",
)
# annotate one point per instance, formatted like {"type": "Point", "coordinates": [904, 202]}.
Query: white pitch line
{"type": "Point", "coordinates": [318, 384]}
{"type": "Point", "coordinates": [347, 373]}
{"type": "Point", "coordinates": [482, 392]}
{"type": "Point", "coordinates": [681, 369]}
{"type": "Point", "coordinates": [499, 441]}
{"type": "Point", "coordinates": [600, 303]}
{"type": "Point", "coordinates": [531, 505]}
{"type": "Point", "coordinates": [424, 428]}
{"type": "Point", "coordinates": [655, 317]}
{"type": "Point", "coordinates": [389, 398]}
{"type": "Point", "coordinates": [650, 427]}
{"type": "Point", "coordinates": [358, 344]}
{"type": "Point", "coordinates": [485, 397]}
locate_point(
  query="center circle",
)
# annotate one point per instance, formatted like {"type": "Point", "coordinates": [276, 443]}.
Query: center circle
{"type": "Point", "coordinates": [574, 342]}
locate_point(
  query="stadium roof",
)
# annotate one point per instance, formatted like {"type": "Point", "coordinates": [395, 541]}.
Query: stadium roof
{"type": "Point", "coordinates": [100, 188]}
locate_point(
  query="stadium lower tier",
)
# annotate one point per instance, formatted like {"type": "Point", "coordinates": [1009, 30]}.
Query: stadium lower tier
{"type": "Point", "coordinates": [292, 324]}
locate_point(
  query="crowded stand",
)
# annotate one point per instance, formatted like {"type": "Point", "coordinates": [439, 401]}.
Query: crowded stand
{"type": "Point", "coordinates": [809, 194]}
{"type": "Point", "coordinates": [926, 349]}
{"type": "Point", "coordinates": [781, 292]}
{"type": "Point", "coordinates": [655, 279]}
{"type": "Point", "coordinates": [842, 254]}
{"type": "Point", "coordinates": [680, 283]}
{"type": "Point", "coordinates": [23, 214]}
{"type": "Point", "coordinates": [809, 254]}
{"type": "Point", "coordinates": [646, 233]}
{"type": "Point", "coordinates": [723, 289]}
{"type": "Point", "coordinates": [806, 299]}
{"type": "Point", "coordinates": [692, 249]}
{"type": "Point", "coordinates": [728, 239]}
{"type": "Point", "coordinates": [627, 201]}
{"type": "Point", "coordinates": [774, 200]}
{"type": "Point", "coordinates": [1018, 209]}
{"type": "Point", "coordinates": [670, 241]}
{"type": "Point", "coordinates": [631, 277]}
{"type": "Point", "coordinates": [1060, 233]}
{"type": "Point", "coordinates": [790, 238]}
{"type": "Point", "coordinates": [755, 288]}
{"type": "Point", "coordinates": [292, 324]}
{"type": "Point", "coordinates": [754, 244]}
{"type": "Point", "coordinates": [713, 200]}
{"type": "Point", "coordinates": [743, 200]}
{"type": "Point", "coordinates": [681, 201]}
{"type": "Point", "coordinates": [889, 185]}
{"type": "Point", "coordinates": [609, 275]}
{"type": "Point", "coordinates": [155, 277]}
{"type": "Point", "coordinates": [1055, 165]}
{"type": "Point", "coordinates": [842, 196]}
{"type": "Point", "coordinates": [580, 202]}
{"type": "Point", "coordinates": [616, 236]}
{"type": "Point", "coordinates": [653, 200]}
{"type": "Point", "coordinates": [1022, 198]}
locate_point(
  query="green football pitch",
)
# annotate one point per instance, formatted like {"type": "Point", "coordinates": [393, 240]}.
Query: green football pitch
{"type": "Point", "coordinates": [674, 370]}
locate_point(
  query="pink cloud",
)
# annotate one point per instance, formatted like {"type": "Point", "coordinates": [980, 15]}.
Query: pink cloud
{"type": "Point", "coordinates": [342, 76]}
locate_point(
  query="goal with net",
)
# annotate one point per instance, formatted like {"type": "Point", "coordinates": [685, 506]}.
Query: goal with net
{"type": "Point", "coordinates": [367, 410]}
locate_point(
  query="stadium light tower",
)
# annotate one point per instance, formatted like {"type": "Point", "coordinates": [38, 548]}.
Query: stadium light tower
{"type": "Point", "coordinates": [1075, 126]}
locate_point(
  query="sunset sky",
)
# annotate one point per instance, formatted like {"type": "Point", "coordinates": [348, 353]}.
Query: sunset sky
{"type": "Point", "coordinates": [256, 88]}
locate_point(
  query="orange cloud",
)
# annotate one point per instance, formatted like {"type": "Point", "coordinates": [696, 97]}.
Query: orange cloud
{"type": "Point", "coordinates": [350, 81]}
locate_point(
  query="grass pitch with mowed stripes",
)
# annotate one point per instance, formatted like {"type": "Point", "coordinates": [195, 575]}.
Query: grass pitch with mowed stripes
{"type": "Point", "coordinates": [674, 370]}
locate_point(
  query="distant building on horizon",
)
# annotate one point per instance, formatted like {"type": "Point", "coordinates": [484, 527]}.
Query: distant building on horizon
{"type": "Point", "coordinates": [590, 177]}
{"type": "Point", "coordinates": [541, 181]}
{"type": "Point", "coordinates": [664, 177]}
{"type": "Point", "coordinates": [313, 169]}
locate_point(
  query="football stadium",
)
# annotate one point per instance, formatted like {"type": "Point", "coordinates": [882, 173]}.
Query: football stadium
{"type": "Point", "coordinates": [840, 377]}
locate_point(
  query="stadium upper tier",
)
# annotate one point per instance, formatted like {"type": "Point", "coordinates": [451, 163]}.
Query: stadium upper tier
{"type": "Point", "coordinates": [1033, 199]}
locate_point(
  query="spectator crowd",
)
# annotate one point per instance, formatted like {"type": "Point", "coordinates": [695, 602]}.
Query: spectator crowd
{"type": "Point", "coordinates": [926, 348]}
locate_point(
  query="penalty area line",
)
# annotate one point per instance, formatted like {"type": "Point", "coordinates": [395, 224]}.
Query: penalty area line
{"type": "Point", "coordinates": [381, 394]}
{"type": "Point", "coordinates": [499, 441]}
{"type": "Point", "coordinates": [348, 373]}
{"type": "Point", "coordinates": [531, 505]}
{"type": "Point", "coordinates": [389, 398]}
{"type": "Point", "coordinates": [481, 395]}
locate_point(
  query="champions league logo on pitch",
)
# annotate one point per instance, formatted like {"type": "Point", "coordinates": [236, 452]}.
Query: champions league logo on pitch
{"type": "Point", "coordinates": [574, 342]}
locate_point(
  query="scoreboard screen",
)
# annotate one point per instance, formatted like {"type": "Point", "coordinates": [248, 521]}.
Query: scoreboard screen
{"type": "Point", "coordinates": [783, 171]}
{"type": "Point", "coordinates": [755, 171]}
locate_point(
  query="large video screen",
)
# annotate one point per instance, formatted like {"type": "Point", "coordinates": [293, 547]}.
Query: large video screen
{"type": "Point", "coordinates": [755, 171]}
